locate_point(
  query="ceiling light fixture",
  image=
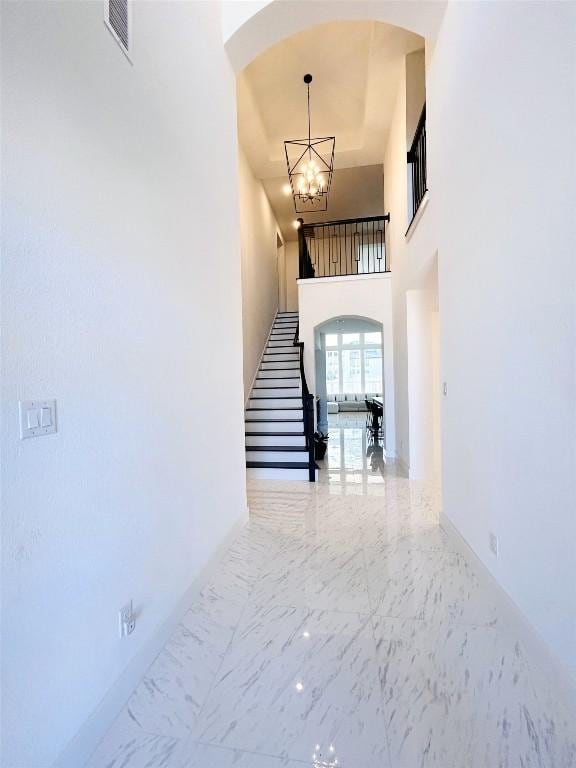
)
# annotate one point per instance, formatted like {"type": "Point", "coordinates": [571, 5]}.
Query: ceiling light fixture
{"type": "Point", "coordinates": [310, 167]}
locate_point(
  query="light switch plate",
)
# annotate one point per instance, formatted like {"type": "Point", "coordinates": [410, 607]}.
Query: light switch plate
{"type": "Point", "coordinates": [37, 418]}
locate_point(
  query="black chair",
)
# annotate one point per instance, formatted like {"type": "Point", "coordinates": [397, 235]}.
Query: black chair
{"type": "Point", "coordinates": [375, 418]}
{"type": "Point", "coordinates": [369, 416]}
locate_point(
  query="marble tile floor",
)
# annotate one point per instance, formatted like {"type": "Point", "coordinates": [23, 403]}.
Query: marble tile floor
{"type": "Point", "coordinates": [343, 629]}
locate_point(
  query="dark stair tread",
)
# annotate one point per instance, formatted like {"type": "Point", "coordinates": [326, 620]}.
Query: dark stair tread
{"type": "Point", "coordinates": [290, 448]}
{"type": "Point", "coordinates": [272, 420]}
{"type": "Point", "coordinates": [274, 434]}
{"type": "Point", "coordinates": [276, 397]}
{"type": "Point", "coordinates": [275, 408]}
{"type": "Point", "coordinates": [277, 464]}
{"type": "Point", "coordinates": [255, 388]}
{"type": "Point", "coordinates": [289, 387]}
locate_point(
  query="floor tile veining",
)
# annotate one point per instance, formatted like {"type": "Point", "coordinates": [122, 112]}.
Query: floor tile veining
{"type": "Point", "coordinates": [343, 630]}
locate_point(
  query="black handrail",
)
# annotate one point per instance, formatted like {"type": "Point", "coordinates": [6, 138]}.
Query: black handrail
{"type": "Point", "coordinates": [343, 248]}
{"type": "Point", "coordinates": [417, 159]}
{"type": "Point", "coordinates": [307, 409]}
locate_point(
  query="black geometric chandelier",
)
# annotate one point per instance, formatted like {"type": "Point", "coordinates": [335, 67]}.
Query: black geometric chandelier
{"type": "Point", "coordinates": [310, 167]}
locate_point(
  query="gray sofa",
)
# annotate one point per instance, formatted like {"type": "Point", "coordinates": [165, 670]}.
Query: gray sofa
{"type": "Point", "coordinates": [347, 403]}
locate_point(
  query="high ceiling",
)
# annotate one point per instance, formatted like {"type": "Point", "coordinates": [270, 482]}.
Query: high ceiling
{"type": "Point", "coordinates": [356, 68]}
{"type": "Point", "coordinates": [355, 65]}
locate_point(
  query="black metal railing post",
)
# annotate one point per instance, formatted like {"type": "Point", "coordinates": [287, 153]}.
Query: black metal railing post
{"type": "Point", "coordinates": [308, 401]}
{"type": "Point", "coordinates": [305, 268]}
{"type": "Point", "coordinates": [416, 158]}
{"type": "Point", "coordinates": [307, 410]}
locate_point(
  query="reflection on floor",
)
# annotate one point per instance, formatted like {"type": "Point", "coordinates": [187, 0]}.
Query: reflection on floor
{"type": "Point", "coordinates": [343, 629]}
{"type": "Point", "coordinates": [354, 453]}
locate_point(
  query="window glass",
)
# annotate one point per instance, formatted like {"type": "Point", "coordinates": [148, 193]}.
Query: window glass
{"type": "Point", "coordinates": [331, 339]}
{"type": "Point", "coordinates": [350, 338]}
{"type": "Point", "coordinates": [373, 370]}
{"type": "Point", "coordinates": [351, 371]}
{"type": "Point", "coordinates": [332, 372]}
{"type": "Point", "coordinates": [373, 338]}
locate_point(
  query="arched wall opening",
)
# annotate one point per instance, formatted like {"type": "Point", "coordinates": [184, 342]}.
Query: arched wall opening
{"type": "Point", "coordinates": [247, 34]}
{"type": "Point", "coordinates": [324, 301]}
{"type": "Point", "coordinates": [247, 37]}
{"type": "Point", "coordinates": [348, 365]}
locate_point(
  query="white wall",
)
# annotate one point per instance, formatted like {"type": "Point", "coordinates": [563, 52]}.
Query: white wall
{"type": "Point", "coordinates": [415, 92]}
{"type": "Point", "coordinates": [260, 270]}
{"type": "Point", "coordinates": [411, 261]}
{"type": "Point", "coordinates": [421, 385]}
{"type": "Point", "coordinates": [122, 299]}
{"type": "Point", "coordinates": [501, 91]}
{"type": "Point", "coordinates": [321, 299]}
{"type": "Point", "coordinates": [506, 294]}
{"type": "Point", "coordinates": [292, 272]}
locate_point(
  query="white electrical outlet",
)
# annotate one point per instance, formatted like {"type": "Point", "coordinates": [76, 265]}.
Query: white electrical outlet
{"type": "Point", "coordinates": [493, 544]}
{"type": "Point", "coordinates": [126, 620]}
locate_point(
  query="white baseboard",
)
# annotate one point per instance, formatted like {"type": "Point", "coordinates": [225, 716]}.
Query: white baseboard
{"type": "Point", "coordinates": [537, 649]}
{"type": "Point", "coordinates": [402, 464]}
{"type": "Point", "coordinates": [83, 744]}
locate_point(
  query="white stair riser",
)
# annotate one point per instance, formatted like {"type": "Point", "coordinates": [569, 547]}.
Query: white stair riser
{"type": "Point", "coordinates": [283, 343]}
{"type": "Point", "coordinates": [288, 313]}
{"type": "Point", "coordinates": [266, 473]}
{"type": "Point", "coordinates": [281, 378]}
{"type": "Point", "coordinates": [287, 456]}
{"type": "Point", "coordinates": [276, 392]}
{"type": "Point", "coordinates": [274, 426]}
{"type": "Point", "coordinates": [285, 328]}
{"type": "Point", "coordinates": [274, 402]}
{"type": "Point", "coordinates": [275, 357]}
{"type": "Point", "coordinates": [274, 413]}
{"type": "Point", "coordinates": [292, 365]}
{"type": "Point", "coordinates": [298, 440]}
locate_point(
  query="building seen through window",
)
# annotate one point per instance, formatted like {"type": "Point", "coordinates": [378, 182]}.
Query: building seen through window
{"type": "Point", "coordinates": [353, 363]}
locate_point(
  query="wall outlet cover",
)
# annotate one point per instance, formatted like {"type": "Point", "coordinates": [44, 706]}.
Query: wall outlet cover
{"type": "Point", "coordinates": [493, 539]}
{"type": "Point", "coordinates": [126, 620]}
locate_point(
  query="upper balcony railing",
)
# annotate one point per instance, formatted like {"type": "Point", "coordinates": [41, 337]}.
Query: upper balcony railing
{"type": "Point", "coordinates": [342, 248]}
{"type": "Point", "coordinates": [417, 165]}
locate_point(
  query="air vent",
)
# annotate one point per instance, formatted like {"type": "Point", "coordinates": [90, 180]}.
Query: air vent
{"type": "Point", "coordinates": [117, 18]}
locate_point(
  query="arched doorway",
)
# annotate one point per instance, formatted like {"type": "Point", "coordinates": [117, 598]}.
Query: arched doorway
{"type": "Point", "coordinates": [248, 33]}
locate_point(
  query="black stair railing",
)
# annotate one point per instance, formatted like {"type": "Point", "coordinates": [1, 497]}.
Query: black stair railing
{"type": "Point", "coordinates": [307, 409]}
{"type": "Point", "coordinates": [417, 162]}
{"type": "Point", "coordinates": [343, 248]}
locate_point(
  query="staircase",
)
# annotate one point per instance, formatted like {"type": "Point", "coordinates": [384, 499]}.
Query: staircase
{"type": "Point", "coordinates": [276, 444]}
